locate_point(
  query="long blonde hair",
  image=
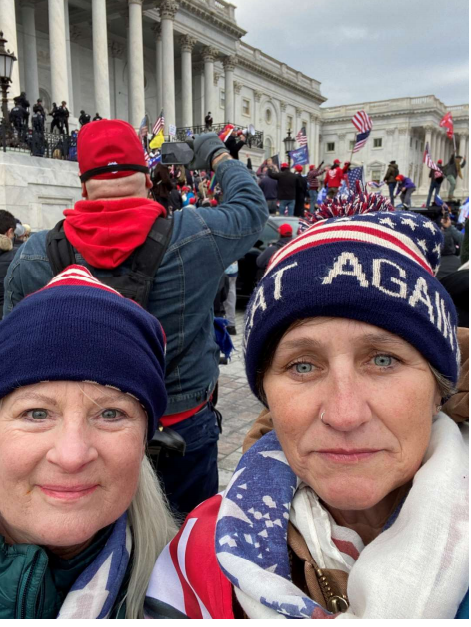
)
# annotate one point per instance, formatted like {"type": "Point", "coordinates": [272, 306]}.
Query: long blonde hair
{"type": "Point", "coordinates": [153, 527]}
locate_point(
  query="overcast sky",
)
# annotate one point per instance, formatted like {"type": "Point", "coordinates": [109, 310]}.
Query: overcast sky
{"type": "Point", "coordinates": [362, 50]}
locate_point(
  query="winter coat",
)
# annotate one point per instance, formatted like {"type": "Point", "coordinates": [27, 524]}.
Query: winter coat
{"type": "Point", "coordinates": [407, 183]}
{"type": "Point", "coordinates": [264, 258]}
{"type": "Point", "coordinates": [233, 146]}
{"type": "Point", "coordinates": [162, 185]}
{"type": "Point", "coordinates": [391, 173]}
{"type": "Point", "coordinates": [269, 188]}
{"type": "Point", "coordinates": [286, 184]}
{"type": "Point", "coordinates": [335, 176]}
{"type": "Point", "coordinates": [432, 176]}
{"type": "Point", "coordinates": [301, 193]}
{"type": "Point", "coordinates": [453, 167]}
{"type": "Point", "coordinates": [7, 252]}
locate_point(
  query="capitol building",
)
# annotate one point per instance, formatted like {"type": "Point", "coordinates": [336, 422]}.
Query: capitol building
{"type": "Point", "coordinates": [130, 58]}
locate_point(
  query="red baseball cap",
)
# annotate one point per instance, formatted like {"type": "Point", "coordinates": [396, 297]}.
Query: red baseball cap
{"type": "Point", "coordinates": [284, 165]}
{"type": "Point", "coordinates": [285, 230]}
{"type": "Point", "coordinates": [298, 168]}
{"type": "Point", "coordinates": [439, 161]}
{"type": "Point", "coordinates": [213, 202]}
{"type": "Point", "coordinates": [109, 149]}
{"type": "Point", "coordinates": [337, 161]}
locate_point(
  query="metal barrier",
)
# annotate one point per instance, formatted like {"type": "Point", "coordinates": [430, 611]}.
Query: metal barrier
{"type": "Point", "coordinates": [37, 143]}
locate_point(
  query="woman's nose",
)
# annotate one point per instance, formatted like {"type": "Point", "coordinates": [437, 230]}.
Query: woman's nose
{"type": "Point", "coordinates": [73, 447]}
{"type": "Point", "coordinates": [346, 406]}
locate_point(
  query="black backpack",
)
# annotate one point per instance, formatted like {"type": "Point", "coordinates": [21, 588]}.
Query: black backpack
{"type": "Point", "coordinates": [146, 259]}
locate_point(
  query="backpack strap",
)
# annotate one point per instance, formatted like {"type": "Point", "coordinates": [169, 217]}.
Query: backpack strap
{"type": "Point", "coordinates": [60, 252]}
{"type": "Point", "coordinates": [148, 257]}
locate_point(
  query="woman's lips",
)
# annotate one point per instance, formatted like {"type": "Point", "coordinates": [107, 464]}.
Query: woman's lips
{"type": "Point", "coordinates": [65, 493]}
{"type": "Point", "coordinates": [344, 456]}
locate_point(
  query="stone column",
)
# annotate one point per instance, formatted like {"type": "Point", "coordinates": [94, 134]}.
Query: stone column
{"type": "Point", "coordinates": [257, 96]}
{"type": "Point", "coordinates": [58, 51]}
{"type": "Point", "coordinates": [462, 152]}
{"type": "Point", "coordinates": [342, 137]}
{"type": "Point", "coordinates": [116, 51]}
{"type": "Point", "coordinates": [198, 101]}
{"type": "Point", "coordinates": [229, 64]}
{"type": "Point", "coordinates": [403, 149]}
{"type": "Point", "coordinates": [187, 44]}
{"type": "Point", "coordinates": [209, 55]}
{"type": "Point", "coordinates": [136, 64]}
{"type": "Point", "coordinates": [283, 132]}
{"type": "Point", "coordinates": [441, 152]}
{"type": "Point", "coordinates": [31, 53]}
{"type": "Point", "coordinates": [297, 121]}
{"type": "Point", "coordinates": [425, 169]}
{"type": "Point", "coordinates": [316, 148]}
{"type": "Point", "coordinates": [237, 108]}
{"type": "Point", "coordinates": [70, 103]}
{"type": "Point", "coordinates": [157, 30]}
{"type": "Point", "coordinates": [100, 56]}
{"type": "Point", "coordinates": [8, 25]}
{"type": "Point", "coordinates": [168, 10]}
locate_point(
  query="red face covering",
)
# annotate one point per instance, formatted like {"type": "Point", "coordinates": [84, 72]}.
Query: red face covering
{"type": "Point", "coordinates": [105, 232]}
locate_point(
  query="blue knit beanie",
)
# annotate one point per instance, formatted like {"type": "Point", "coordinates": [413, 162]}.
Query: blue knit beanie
{"type": "Point", "coordinates": [78, 329]}
{"type": "Point", "coordinates": [377, 268]}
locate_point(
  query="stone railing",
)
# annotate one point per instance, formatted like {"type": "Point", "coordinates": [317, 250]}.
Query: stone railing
{"type": "Point", "coordinates": [278, 68]}
{"type": "Point", "coordinates": [222, 6]}
{"type": "Point", "coordinates": [38, 144]}
{"type": "Point", "coordinates": [395, 104]}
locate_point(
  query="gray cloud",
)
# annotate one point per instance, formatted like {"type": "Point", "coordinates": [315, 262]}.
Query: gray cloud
{"type": "Point", "coordinates": [363, 50]}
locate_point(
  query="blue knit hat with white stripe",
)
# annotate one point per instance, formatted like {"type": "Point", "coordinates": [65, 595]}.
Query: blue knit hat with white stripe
{"type": "Point", "coordinates": [78, 329]}
{"type": "Point", "coordinates": [376, 267]}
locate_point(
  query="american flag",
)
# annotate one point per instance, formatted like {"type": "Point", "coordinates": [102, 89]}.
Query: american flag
{"type": "Point", "coordinates": [362, 122]}
{"type": "Point", "coordinates": [159, 123]}
{"type": "Point", "coordinates": [301, 137]}
{"type": "Point", "coordinates": [354, 175]}
{"type": "Point", "coordinates": [428, 159]}
{"type": "Point", "coordinates": [143, 129]}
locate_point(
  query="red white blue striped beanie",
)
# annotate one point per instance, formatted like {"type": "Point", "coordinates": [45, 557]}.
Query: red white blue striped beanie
{"type": "Point", "coordinates": [78, 329]}
{"type": "Point", "coordinates": [377, 268]}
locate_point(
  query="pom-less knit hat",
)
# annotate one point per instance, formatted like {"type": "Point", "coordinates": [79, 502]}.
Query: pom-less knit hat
{"type": "Point", "coordinates": [78, 329]}
{"type": "Point", "coordinates": [377, 268]}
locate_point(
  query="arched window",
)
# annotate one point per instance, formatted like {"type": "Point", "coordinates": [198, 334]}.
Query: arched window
{"type": "Point", "coordinates": [46, 98]}
{"type": "Point", "coordinates": [268, 148]}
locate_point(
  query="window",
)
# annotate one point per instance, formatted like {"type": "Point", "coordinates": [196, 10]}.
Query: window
{"type": "Point", "coordinates": [245, 106]}
{"type": "Point", "coordinates": [330, 147]}
{"type": "Point", "coordinates": [268, 116]}
{"type": "Point", "coordinates": [410, 143]}
{"type": "Point", "coordinates": [351, 144]}
{"type": "Point", "coordinates": [378, 142]}
{"type": "Point", "coordinates": [289, 122]}
{"type": "Point", "coordinates": [376, 175]}
{"type": "Point", "coordinates": [416, 144]}
{"type": "Point", "coordinates": [222, 98]}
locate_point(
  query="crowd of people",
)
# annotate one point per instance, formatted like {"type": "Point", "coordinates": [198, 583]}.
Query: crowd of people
{"type": "Point", "coordinates": [344, 503]}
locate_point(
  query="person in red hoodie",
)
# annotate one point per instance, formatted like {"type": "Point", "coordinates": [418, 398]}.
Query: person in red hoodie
{"type": "Point", "coordinates": [334, 177]}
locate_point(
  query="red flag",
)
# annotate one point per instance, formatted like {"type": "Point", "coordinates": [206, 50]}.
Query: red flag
{"type": "Point", "coordinates": [447, 122]}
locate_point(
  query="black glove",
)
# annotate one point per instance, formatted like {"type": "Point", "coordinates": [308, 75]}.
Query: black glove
{"type": "Point", "coordinates": [206, 147]}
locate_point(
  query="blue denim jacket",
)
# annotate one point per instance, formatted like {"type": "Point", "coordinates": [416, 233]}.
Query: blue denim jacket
{"type": "Point", "coordinates": [205, 241]}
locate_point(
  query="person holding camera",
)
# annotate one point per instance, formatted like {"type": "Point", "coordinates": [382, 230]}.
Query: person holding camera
{"type": "Point", "coordinates": [201, 244]}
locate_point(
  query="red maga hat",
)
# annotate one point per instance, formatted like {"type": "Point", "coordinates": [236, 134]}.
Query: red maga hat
{"type": "Point", "coordinates": [109, 149]}
{"type": "Point", "coordinates": [439, 161]}
{"type": "Point", "coordinates": [285, 230]}
{"type": "Point", "coordinates": [298, 168]}
{"type": "Point", "coordinates": [337, 161]}
{"type": "Point", "coordinates": [284, 165]}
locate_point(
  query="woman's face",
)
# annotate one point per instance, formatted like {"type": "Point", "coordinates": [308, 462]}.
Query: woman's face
{"type": "Point", "coordinates": [377, 395]}
{"type": "Point", "coordinates": [70, 457]}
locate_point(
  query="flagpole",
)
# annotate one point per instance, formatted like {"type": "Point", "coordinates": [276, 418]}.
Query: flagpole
{"type": "Point", "coordinates": [454, 142]}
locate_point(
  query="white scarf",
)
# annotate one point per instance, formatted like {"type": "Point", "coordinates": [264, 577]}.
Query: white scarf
{"type": "Point", "coordinates": [417, 568]}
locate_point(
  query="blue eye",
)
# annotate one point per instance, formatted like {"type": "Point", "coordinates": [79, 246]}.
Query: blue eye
{"type": "Point", "coordinates": [110, 414]}
{"type": "Point", "coordinates": [37, 414]}
{"type": "Point", "coordinates": [303, 368]}
{"type": "Point", "coordinates": [383, 361]}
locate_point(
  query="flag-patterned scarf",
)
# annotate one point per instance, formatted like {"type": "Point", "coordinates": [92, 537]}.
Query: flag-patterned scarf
{"type": "Point", "coordinates": [94, 593]}
{"type": "Point", "coordinates": [416, 568]}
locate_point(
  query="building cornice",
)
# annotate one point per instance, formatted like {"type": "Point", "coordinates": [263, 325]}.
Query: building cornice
{"type": "Point", "coordinates": [260, 70]}
{"type": "Point", "coordinates": [212, 16]}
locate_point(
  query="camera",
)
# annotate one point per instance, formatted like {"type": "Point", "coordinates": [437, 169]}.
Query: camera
{"type": "Point", "coordinates": [176, 153]}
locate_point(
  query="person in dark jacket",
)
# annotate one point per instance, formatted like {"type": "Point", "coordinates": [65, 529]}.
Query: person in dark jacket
{"type": "Point", "coordinates": [174, 198]}
{"type": "Point", "coordinates": [57, 120]}
{"type": "Point", "coordinates": [64, 113]}
{"type": "Point", "coordinates": [8, 248]}
{"type": "Point", "coordinates": [208, 121]}
{"type": "Point", "coordinates": [452, 171]}
{"type": "Point", "coordinates": [97, 117]}
{"type": "Point", "coordinates": [405, 187]}
{"type": "Point", "coordinates": [452, 240]}
{"type": "Point", "coordinates": [436, 179]}
{"type": "Point", "coordinates": [301, 192]}
{"type": "Point", "coordinates": [286, 188]}
{"type": "Point", "coordinates": [84, 118]}
{"type": "Point", "coordinates": [234, 143]}
{"type": "Point", "coordinates": [161, 184]}
{"type": "Point", "coordinates": [269, 187]}
{"type": "Point", "coordinates": [286, 235]}
{"type": "Point", "coordinates": [390, 179]}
